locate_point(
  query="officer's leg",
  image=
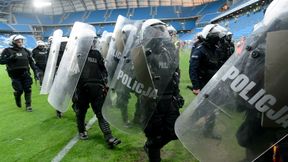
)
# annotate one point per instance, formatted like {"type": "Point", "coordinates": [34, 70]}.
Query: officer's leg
{"type": "Point", "coordinates": [41, 75]}
{"type": "Point", "coordinates": [172, 113]}
{"type": "Point", "coordinates": [97, 100]}
{"type": "Point", "coordinates": [80, 106]}
{"type": "Point", "coordinates": [137, 113]}
{"type": "Point", "coordinates": [154, 141]}
{"type": "Point", "coordinates": [27, 82]}
{"type": "Point", "coordinates": [18, 91]}
{"type": "Point", "coordinates": [122, 103]}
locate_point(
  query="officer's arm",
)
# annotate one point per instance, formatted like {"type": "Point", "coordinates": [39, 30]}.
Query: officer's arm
{"type": "Point", "coordinates": [101, 64]}
{"type": "Point", "coordinates": [6, 57]}
{"type": "Point", "coordinates": [32, 62]}
{"type": "Point", "coordinates": [194, 68]}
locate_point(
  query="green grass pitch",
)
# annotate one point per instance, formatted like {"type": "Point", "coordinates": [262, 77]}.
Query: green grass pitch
{"type": "Point", "coordinates": [39, 136]}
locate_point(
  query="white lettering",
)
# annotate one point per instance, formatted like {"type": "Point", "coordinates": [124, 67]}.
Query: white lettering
{"type": "Point", "coordinates": [260, 105]}
{"type": "Point", "coordinates": [239, 83]}
{"type": "Point", "coordinates": [244, 92]}
{"type": "Point", "coordinates": [232, 73]}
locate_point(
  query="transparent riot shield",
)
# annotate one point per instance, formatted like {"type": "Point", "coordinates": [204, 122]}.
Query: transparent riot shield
{"type": "Point", "coordinates": [116, 47]}
{"type": "Point", "coordinates": [241, 111]}
{"type": "Point", "coordinates": [104, 43]}
{"type": "Point", "coordinates": [71, 65]}
{"type": "Point", "coordinates": [51, 63]}
{"type": "Point", "coordinates": [137, 86]}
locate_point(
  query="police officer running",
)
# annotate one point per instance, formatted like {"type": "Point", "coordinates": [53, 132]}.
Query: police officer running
{"type": "Point", "coordinates": [91, 89]}
{"type": "Point", "coordinates": [17, 60]}
{"type": "Point", "coordinates": [40, 55]}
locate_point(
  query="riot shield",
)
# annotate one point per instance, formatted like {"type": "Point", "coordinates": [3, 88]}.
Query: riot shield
{"type": "Point", "coordinates": [116, 47]}
{"type": "Point", "coordinates": [104, 43]}
{"type": "Point", "coordinates": [238, 115]}
{"type": "Point", "coordinates": [51, 63]}
{"type": "Point", "coordinates": [71, 65]}
{"type": "Point", "coordinates": [137, 81]}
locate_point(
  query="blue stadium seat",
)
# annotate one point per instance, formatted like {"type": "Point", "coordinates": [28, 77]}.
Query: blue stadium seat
{"type": "Point", "coordinates": [5, 27]}
{"type": "Point", "coordinates": [191, 11]}
{"type": "Point", "coordinates": [74, 16]}
{"type": "Point", "coordinates": [212, 7]}
{"type": "Point", "coordinates": [141, 13]}
{"type": "Point", "coordinates": [22, 28]}
{"type": "Point", "coordinates": [46, 19]}
{"type": "Point", "coordinates": [166, 12]}
{"type": "Point", "coordinates": [22, 18]}
{"type": "Point", "coordinates": [57, 19]}
{"type": "Point", "coordinates": [30, 41]}
{"type": "Point", "coordinates": [207, 17]}
{"type": "Point", "coordinates": [176, 24]}
{"type": "Point", "coordinates": [96, 16]}
{"type": "Point", "coordinates": [190, 24]}
{"type": "Point", "coordinates": [116, 12]}
{"type": "Point", "coordinates": [48, 32]}
{"type": "Point", "coordinates": [4, 40]}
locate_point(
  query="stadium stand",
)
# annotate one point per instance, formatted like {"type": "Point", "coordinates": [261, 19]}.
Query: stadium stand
{"type": "Point", "coordinates": [5, 27]}
{"type": "Point", "coordinates": [114, 14]}
{"type": "Point", "coordinates": [22, 28]}
{"type": "Point", "coordinates": [96, 16]}
{"type": "Point", "coordinates": [165, 12]}
{"type": "Point", "coordinates": [25, 19]}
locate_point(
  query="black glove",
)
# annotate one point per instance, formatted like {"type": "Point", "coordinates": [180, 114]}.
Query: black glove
{"type": "Point", "coordinates": [36, 75]}
{"type": "Point", "coordinates": [179, 101]}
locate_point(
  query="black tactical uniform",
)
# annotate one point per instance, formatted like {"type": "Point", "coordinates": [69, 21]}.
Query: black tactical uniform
{"type": "Point", "coordinates": [40, 56]}
{"type": "Point", "coordinates": [17, 60]}
{"type": "Point", "coordinates": [205, 61]}
{"type": "Point", "coordinates": [160, 128]}
{"type": "Point", "coordinates": [91, 89]}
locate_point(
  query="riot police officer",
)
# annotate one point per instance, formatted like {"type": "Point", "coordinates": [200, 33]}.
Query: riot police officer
{"type": "Point", "coordinates": [205, 61]}
{"type": "Point", "coordinates": [40, 55]}
{"type": "Point", "coordinates": [17, 60]}
{"type": "Point", "coordinates": [160, 127]}
{"type": "Point", "coordinates": [91, 89]}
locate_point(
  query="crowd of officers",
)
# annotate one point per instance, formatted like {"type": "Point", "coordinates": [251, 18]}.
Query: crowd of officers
{"type": "Point", "coordinates": [213, 47]}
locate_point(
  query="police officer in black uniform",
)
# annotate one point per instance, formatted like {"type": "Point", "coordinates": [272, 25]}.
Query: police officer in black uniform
{"type": "Point", "coordinates": [17, 60]}
{"type": "Point", "coordinates": [92, 89]}
{"type": "Point", "coordinates": [160, 128]}
{"type": "Point", "coordinates": [205, 61]}
{"type": "Point", "coordinates": [40, 55]}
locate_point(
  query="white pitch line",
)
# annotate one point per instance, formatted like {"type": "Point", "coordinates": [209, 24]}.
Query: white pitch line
{"type": "Point", "coordinates": [72, 142]}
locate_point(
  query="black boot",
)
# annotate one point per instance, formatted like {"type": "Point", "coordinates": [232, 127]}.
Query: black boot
{"type": "Point", "coordinates": [153, 153]}
{"type": "Point", "coordinates": [59, 114]}
{"type": "Point", "coordinates": [28, 102]}
{"type": "Point", "coordinates": [105, 128]}
{"type": "Point", "coordinates": [17, 97]}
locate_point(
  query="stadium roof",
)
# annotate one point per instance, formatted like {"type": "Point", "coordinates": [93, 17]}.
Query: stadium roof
{"type": "Point", "coordinates": [63, 6]}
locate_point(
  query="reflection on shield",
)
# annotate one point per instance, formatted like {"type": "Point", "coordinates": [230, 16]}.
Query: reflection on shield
{"type": "Point", "coordinates": [71, 65]}
{"type": "Point", "coordinates": [116, 47]}
{"type": "Point", "coordinates": [51, 63]}
{"type": "Point", "coordinates": [133, 97]}
{"type": "Point", "coordinates": [240, 94]}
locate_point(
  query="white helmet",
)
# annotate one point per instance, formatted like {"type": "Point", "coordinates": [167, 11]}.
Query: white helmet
{"type": "Point", "coordinates": [40, 43]}
{"type": "Point", "coordinates": [171, 29]}
{"type": "Point", "coordinates": [128, 28]}
{"type": "Point", "coordinates": [15, 37]}
{"type": "Point", "coordinates": [150, 23]}
{"type": "Point", "coordinates": [214, 29]}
